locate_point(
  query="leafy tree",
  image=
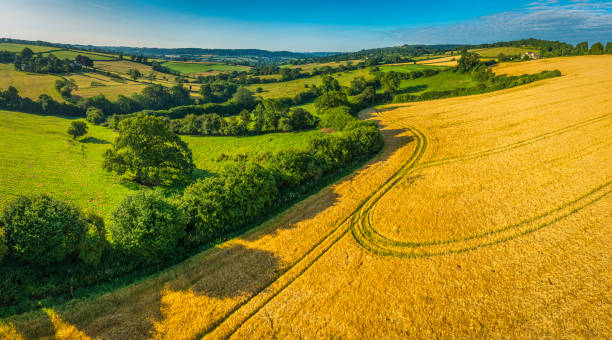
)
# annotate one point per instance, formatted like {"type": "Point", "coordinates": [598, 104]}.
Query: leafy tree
{"type": "Point", "coordinates": [337, 118]}
{"type": "Point", "coordinates": [300, 119]}
{"type": "Point", "coordinates": [245, 117]}
{"type": "Point", "coordinates": [41, 230]}
{"type": "Point", "coordinates": [84, 60]}
{"type": "Point", "coordinates": [390, 82]}
{"type": "Point", "coordinates": [468, 61]}
{"type": "Point", "coordinates": [330, 84]}
{"type": "Point", "coordinates": [609, 47]}
{"type": "Point", "coordinates": [93, 242]}
{"type": "Point", "coordinates": [597, 48]}
{"type": "Point", "coordinates": [268, 113]}
{"type": "Point", "coordinates": [94, 115]}
{"type": "Point", "coordinates": [330, 100]}
{"type": "Point", "coordinates": [582, 48]}
{"type": "Point", "coordinates": [244, 98]}
{"type": "Point", "coordinates": [147, 226]}
{"type": "Point", "coordinates": [148, 150]}
{"type": "Point", "coordinates": [358, 84]}
{"type": "Point", "coordinates": [77, 129]}
{"type": "Point", "coordinates": [65, 87]}
{"type": "Point", "coordinates": [218, 205]}
{"type": "Point", "coordinates": [367, 97]}
{"type": "Point", "coordinates": [134, 73]}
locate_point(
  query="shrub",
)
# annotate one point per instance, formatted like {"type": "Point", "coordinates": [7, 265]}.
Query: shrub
{"type": "Point", "coordinates": [93, 243]}
{"type": "Point", "coordinates": [147, 226]}
{"type": "Point", "coordinates": [337, 118]}
{"type": "Point", "coordinates": [95, 115]}
{"type": "Point", "coordinates": [42, 230]}
{"type": "Point", "coordinates": [77, 128]}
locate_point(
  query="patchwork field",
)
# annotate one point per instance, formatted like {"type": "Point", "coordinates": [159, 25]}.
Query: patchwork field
{"type": "Point", "coordinates": [495, 51]}
{"type": "Point", "coordinates": [37, 155]}
{"type": "Point", "coordinates": [11, 47]}
{"type": "Point", "coordinates": [486, 216]}
{"type": "Point", "coordinates": [444, 61]}
{"type": "Point", "coordinates": [28, 84]}
{"type": "Point", "coordinates": [194, 67]}
{"type": "Point", "coordinates": [71, 54]}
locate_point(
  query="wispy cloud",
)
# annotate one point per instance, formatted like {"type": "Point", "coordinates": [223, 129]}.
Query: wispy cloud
{"type": "Point", "coordinates": [573, 21]}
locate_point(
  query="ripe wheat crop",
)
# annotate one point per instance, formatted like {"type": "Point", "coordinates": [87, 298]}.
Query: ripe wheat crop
{"type": "Point", "coordinates": [486, 216]}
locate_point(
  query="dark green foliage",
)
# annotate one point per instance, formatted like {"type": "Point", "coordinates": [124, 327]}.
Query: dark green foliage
{"type": "Point", "coordinates": [3, 245]}
{"type": "Point", "coordinates": [358, 84]}
{"type": "Point", "coordinates": [244, 98]}
{"type": "Point", "coordinates": [331, 99]}
{"type": "Point", "coordinates": [77, 129]}
{"type": "Point", "coordinates": [65, 87]}
{"type": "Point", "coordinates": [93, 242]}
{"type": "Point", "coordinates": [10, 100]}
{"type": "Point", "coordinates": [38, 63]}
{"type": "Point", "coordinates": [582, 48]}
{"type": "Point", "coordinates": [134, 73]}
{"type": "Point", "coordinates": [148, 150]}
{"type": "Point", "coordinates": [597, 48]}
{"type": "Point", "coordinates": [41, 230]}
{"type": "Point", "coordinates": [147, 227]}
{"type": "Point", "coordinates": [468, 61]}
{"type": "Point", "coordinates": [95, 115]}
{"type": "Point", "coordinates": [215, 206]}
{"type": "Point", "coordinates": [337, 118]}
{"type": "Point", "coordinates": [330, 84]}
{"type": "Point", "coordinates": [390, 81]}
{"type": "Point", "coordinates": [290, 73]}
{"type": "Point", "coordinates": [608, 48]}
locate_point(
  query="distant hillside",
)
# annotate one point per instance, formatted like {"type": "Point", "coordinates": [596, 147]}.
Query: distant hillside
{"type": "Point", "coordinates": [189, 54]}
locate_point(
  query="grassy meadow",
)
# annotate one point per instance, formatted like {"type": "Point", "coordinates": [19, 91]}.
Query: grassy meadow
{"type": "Point", "coordinates": [37, 155]}
{"type": "Point", "coordinates": [481, 216]}
{"type": "Point", "coordinates": [493, 52]}
{"type": "Point", "coordinates": [29, 85]}
{"type": "Point", "coordinates": [11, 47]}
{"type": "Point", "coordinates": [195, 67]}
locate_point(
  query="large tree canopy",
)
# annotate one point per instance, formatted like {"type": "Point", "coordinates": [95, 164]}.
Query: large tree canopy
{"type": "Point", "coordinates": [147, 149]}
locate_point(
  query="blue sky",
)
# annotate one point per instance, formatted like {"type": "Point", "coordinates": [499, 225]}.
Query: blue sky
{"type": "Point", "coordinates": [303, 26]}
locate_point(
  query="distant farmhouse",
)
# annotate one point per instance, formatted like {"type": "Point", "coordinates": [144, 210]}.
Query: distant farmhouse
{"type": "Point", "coordinates": [530, 55]}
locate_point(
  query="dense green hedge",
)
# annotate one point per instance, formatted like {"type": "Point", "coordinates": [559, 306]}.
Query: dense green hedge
{"type": "Point", "coordinates": [149, 231]}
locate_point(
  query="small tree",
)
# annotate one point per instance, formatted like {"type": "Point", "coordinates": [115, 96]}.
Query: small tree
{"type": "Point", "coordinates": [94, 115]}
{"type": "Point", "coordinates": [134, 73]}
{"type": "Point", "coordinates": [244, 98]}
{"type": "Point", "coordinates": [597, 48]}
{"type": "Point", "coordinates": [77, 129]}
{"type": "Point", "coordinates": [148, 150]}
{"type": "Point", "coordinates": [608, 47]}
{"type": "Point", "coordinates": [147, 226]}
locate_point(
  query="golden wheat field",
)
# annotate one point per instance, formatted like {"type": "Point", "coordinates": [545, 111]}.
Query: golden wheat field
{"type": "Point", "coordinates": [444, 61]}
{"type": "Point", "coordinates": [486, 216]}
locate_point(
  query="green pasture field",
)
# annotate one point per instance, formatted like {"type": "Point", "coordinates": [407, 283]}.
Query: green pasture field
{"type": "Point", "coordinates": [11, 47]}
{"type": "Point", "coordinates": [495, 51]}
{"type": "Point", "coordinates": [440, 82]}
{"type": "Point", "coordinates": [189, 68]}
{"type": "Point", "coordinates": [71, 54]}
{"type": "Point", "coordinates": [38, 156]}
{"type": "Point", "coordinates": [29, 85]}
{"type": "Point", "coordinates": [293, 87]}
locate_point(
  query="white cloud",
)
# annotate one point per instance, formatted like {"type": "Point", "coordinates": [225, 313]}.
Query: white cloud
{"type": "Point", "coordinates": [576, 21]}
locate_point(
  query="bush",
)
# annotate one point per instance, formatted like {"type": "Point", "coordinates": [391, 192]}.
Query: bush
{"type": "Point", "coordinates": [77, 129]}
{"type": "Point", "coordinates": [337, 118]}
{"type": "Point", "coordinates": [147, 226]}
{"type": "Point", "coordinates": [219, 205]}
{"type": "Point", "coordinates": [42, 230]}
{"type": "Point", "coordinates": [95, 115]}
{"type": "Point", "coordinates": [94, 243]}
